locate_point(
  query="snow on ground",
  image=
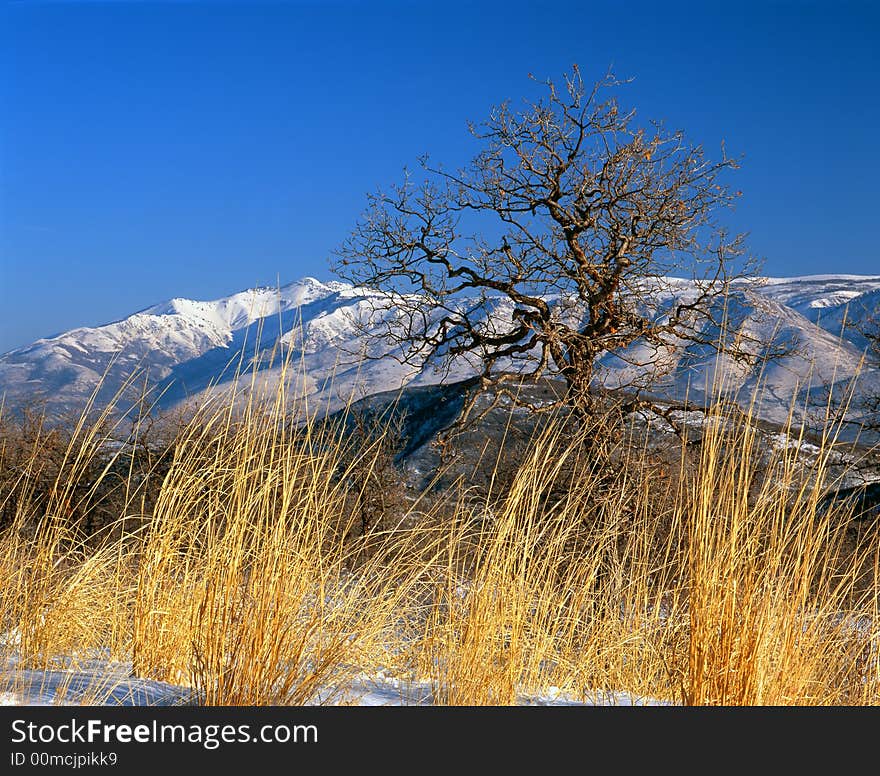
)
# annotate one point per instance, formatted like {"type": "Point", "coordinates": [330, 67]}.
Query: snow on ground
{"type": "Point", "coordinates": [105, 683]}
{"type": "Point", "coordinates": [378, 690]}
{"type": "Point", "coordinates": [100, 684]}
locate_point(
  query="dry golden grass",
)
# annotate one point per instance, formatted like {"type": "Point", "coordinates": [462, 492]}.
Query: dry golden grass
{"type": "Point", "coordinates": [250, 583]}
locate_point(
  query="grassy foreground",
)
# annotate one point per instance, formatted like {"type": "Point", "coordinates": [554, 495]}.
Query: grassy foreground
{"type": "Point", "coordinates": [248, 573]}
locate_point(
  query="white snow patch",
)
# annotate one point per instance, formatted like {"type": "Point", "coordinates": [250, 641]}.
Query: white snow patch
{"type": "Point", "coordinates": [106, 683]}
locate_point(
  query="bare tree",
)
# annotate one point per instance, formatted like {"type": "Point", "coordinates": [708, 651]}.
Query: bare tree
{"type": "Point", "coordinates": [551, 248]}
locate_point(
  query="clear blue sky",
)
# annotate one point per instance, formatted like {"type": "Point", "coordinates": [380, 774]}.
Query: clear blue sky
{"type": "Point", "coordinates": [152, 150]}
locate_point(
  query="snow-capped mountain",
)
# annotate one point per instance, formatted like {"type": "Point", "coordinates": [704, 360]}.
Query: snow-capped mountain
{"type": "Point", "coordinates": [815, 296]}
{"type": "Point", "coordinates": [183, 348]}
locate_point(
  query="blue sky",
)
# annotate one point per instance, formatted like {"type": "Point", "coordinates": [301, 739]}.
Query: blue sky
{"type": "Point", "coordinates": [151, 150]}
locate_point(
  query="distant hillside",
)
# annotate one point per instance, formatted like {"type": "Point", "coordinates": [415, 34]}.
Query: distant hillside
{"type": "Point", "coordinates": [183, 348]}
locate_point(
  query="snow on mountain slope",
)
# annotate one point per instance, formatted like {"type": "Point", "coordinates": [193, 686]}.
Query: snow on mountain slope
{"type": "Point", "coordinates": [823, 298]}
{"type": "Point", "coordinates": [153, 343]}
{"type": "Point", "coordinates": [844, 320]}
{"type": "Point", "coordinates": [186, 348]}
{"type": "Point", "coordinates": [797, 381]}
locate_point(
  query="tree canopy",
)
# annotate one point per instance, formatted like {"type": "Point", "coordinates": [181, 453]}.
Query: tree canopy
{"type": "Point", "coordinates": [551, 246]}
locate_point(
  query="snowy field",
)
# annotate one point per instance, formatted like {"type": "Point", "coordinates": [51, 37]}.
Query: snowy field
{"type": "Point", "coordinates": [103, 683]}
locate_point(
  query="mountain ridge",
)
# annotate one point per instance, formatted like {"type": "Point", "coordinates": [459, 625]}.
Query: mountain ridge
{"type": "Point", "coordinates": [182, 346]}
